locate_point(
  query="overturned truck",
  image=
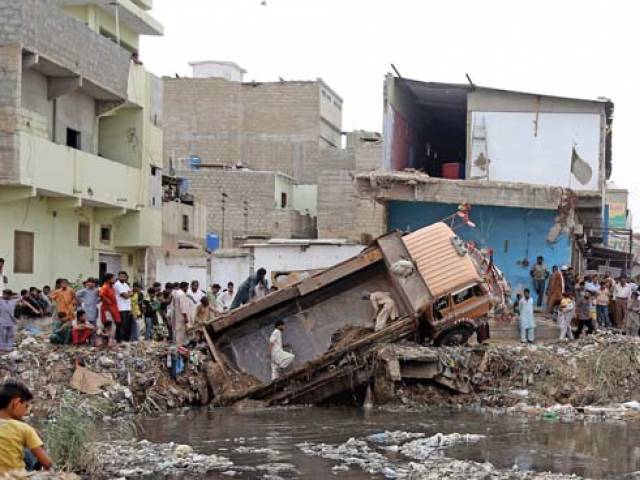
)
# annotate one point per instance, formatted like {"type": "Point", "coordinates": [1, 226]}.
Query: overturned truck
{"type": "Point", "coordinates": [439, 292]}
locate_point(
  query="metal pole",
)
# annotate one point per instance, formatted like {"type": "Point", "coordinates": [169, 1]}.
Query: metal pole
{"type": "Point", "coordinates": [224, 196]}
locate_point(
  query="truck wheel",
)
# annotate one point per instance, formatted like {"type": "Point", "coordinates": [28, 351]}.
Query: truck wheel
{"type": "Point", "coordinates": [452, 338]}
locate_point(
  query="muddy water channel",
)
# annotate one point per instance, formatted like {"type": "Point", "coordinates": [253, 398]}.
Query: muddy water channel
{"type": "Point", "coordinates": [270, 444]}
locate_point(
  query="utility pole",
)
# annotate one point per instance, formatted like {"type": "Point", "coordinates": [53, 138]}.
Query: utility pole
{"type": "Point", "coordinates": [246, 216]}
{"type": "Point", "coordinates": [224, 197]}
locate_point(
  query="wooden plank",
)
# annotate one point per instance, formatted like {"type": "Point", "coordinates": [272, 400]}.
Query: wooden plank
{"type": "Point", "coordinates": [413, 288]}
{"type": "Point", "coordinates": [249, 310]}
{"type": "Point", "coordinates": [214, 353]}
{"type": "Point", "coordinates": [339, 271]}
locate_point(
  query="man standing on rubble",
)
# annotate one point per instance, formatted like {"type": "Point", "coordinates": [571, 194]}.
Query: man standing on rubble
{"type": "Point", "coordinates": [384, 308]}
{"type": "Point", "coordinates": [555, 289]}
{"type": "Point", "coordinates": [123, 299]}
{"type": "Point", "coordinates": [539, 274]}
{"type": "Point", "coordinates": [247, 290]}
{"type": "Point", "coordinates": [280, 358]}
{"type": "Point", "coordinates": [621, 296]}
{"type": "Point", "coordinates": [633, 315]}
{"type": "Point", "coordinates": [8, 320]}
{"type": "Point", "coordinates": [181, 310]}
{"type": "Point", "coordinates": [527, 318]}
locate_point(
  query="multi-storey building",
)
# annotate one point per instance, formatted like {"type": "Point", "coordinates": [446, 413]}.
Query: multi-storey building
{"type": "Point", "coordinates": [80, 140]}
{"type": "Point", "coordinates": [252, 151]}
{"type": "Point", "coordinates": [534, 168]}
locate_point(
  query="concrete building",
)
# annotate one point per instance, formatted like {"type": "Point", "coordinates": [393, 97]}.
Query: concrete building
{"type": "Point", "coordinates": [243, 204]}
{"type": "Point", "coordinates": [80, 140]}
{"type": "Point", "coordinates": [532, 166]}
{"type": "Point", "coordinates": [252, 151]}
{"type": "Point", "coordinates": [273, 126]}
{"type": "Point", "coordinates": [182, 256]}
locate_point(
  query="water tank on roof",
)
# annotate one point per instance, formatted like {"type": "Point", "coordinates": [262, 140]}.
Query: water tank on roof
{"type": "Point", "coordinates": [195, 162]}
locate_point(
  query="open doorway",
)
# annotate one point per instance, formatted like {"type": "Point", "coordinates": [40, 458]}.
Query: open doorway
{"type": "Point", "coordinates": [108, 263]}
{"type": "Point", "coordinates": [428, 125]}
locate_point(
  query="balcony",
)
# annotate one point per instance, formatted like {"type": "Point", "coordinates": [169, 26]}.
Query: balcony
{"type": "Point", "coordinates": [60, 171]}
{"type": "Point", "coordinates": [132, 13]}
{"type": "Point", "coordinates": [59, 46]}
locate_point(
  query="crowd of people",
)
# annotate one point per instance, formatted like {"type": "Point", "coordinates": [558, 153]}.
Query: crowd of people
{"type": "Point", "coordinates": [578, 303]}
{"type": "Point", "coordinates": [102, 313]}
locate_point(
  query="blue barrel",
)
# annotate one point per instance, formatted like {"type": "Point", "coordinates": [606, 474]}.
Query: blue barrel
{"type": "Point", "coordinates": [212, 241]}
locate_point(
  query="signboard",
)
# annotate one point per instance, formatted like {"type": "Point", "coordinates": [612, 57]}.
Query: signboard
{"type": "Point", "coordinates": [617, 214]}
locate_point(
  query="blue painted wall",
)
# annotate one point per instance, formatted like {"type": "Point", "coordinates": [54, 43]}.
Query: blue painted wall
{"type": "Point", "coordinates": [513, 233]}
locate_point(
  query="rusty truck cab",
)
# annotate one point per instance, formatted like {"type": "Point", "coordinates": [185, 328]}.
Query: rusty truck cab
{"type": "Point", "coordinates": [458, 299]}
{"type": "Point", "coordinates": [453, 317]}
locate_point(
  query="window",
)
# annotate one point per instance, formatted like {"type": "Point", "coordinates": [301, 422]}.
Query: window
{"type": "Point", "coordinates": [467, 293]}
{"type": "Point", "coordinates": [73, 138]}
{"type": "Point", "coordinates": [440, 304]}
{"type": "Point", "coordinates": [22, 252]}
{"type": "Point", "coordinates": [84, 234]}
{"type": "Point", "coordinates": [185, 223]}
{"type": "Point", "coordinates": [283, 200]}
{"type": "Point", "coordinates": [105, 233]}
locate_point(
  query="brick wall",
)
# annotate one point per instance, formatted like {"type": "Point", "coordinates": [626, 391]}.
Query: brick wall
{"type": "Point", "coordinates": [43, 27]}
{"type": "Point", "coordinates": [257, 188]}
{"type": "Point", "coordinates": [264, 126]}
{"type": "Point", "coordinates": [292, 224]}
{"type": "Point", "coordinates": [10, 81]}
{"type": "Point", "coordinates": [341, 213]}
{"type": "Point", "coordinates": [202, 117]}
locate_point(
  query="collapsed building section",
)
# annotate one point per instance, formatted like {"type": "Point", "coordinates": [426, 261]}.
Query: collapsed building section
{"type": "Point", "coordinates": [439, 293]}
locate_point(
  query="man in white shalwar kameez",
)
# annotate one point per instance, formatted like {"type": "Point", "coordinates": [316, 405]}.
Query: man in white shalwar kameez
{"type": "Point", "coordinates": [527, 318]}
{"type": "Point", "coordinates": [280, 359]}
{"type": "Point", "coordinates": [384, 308]}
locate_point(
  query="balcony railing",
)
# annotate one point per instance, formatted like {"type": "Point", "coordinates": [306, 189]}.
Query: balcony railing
{"type": "Point", "coordinates": [63, 171]}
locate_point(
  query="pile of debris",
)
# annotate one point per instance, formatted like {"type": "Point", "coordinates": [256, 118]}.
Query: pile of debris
{"type": "Point", "coordinates": [131, 378]}
{"type": "Point", "coordinates": [600, 369]}
{"type": "Point", "coordinates": [415, 456]}
{"type": "Point", "coordinates": [131, 459]}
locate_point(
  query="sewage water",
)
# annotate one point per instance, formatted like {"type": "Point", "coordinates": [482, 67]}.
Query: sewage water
{"type": "Point", "coordinates": [608, 450]}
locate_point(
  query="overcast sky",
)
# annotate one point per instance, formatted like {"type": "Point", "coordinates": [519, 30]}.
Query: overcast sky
{"type": "Point", "coordinates": [578, 48]}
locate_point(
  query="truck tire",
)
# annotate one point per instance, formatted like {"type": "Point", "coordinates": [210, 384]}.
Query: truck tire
{"type": "Point", "coordinates": [454, 337]}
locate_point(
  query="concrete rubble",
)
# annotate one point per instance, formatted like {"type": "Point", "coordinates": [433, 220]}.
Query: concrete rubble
{"type": "Point", "coordinates": [421, 457]}
{"type": "Point", "coordinates": [137, 379]}
{"type": "Point", "coordinates": [594, 376]}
